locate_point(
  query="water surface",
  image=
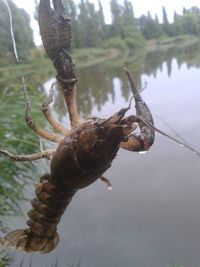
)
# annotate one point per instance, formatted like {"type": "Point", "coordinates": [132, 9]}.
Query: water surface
{"type": "Point", "coordinates": [152, 216]}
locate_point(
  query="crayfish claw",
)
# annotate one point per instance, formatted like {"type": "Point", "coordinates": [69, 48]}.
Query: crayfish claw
{"type": "Point", "coordinates": [144, 120]}
{"type": "Point", "coordinates": [57, 5]}
{"type": "Point", "coordinates": [55, 28]}
{"type": "Point", "coordinates": [45, 7]}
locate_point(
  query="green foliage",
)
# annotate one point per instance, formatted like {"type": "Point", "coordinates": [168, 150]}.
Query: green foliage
{"type": "Point", "coordinates": [18, 139]}
{"type": "Point", "coordinates": [86, 54]}
{"type": "Point", "coordinates": [125, 31]}
{"type": "Point", "coordinates": [134, 40]}
{"type": "Point", "coordinates": [91, 31]}
{"type": "Point", "coordinates": [187, 24]}
{"type": "Point", "coordinates": [128, 14]}
{"type": "Point", "coordinates": [87, 23]}
{"type": "Point", "coordinates": [22, 32]}
{"type": "Point", "coordinates": [150, 28]}
{"type": "Point", "coordinates": [102, 25]}
{"type": "Point", "coordinates": [116, 13]}
{"type": "Point", "coordinates": [115, 42]}
{"type": "Point", "coordinates": [165, 18]}
{"type": "Point", "coordinates": [122, 19]}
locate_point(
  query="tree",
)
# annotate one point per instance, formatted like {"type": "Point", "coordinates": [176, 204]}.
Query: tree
{"type": "Point", "coordinates": [165, 18]}
{"type": "Point", "coordinates": [71, 10]}
{"type": "Point", "coordinates": [188, 24]}
{"type": "Point", "coordinates": [128, 14]}
{"type": "Point", "coordinates": [88, 25]}
{"type": "Point", "coordinates": [175, 16]}
{"type": "Point", "coordinates": [195, 11]}
{"type": "Point", "coordinates": [116, 13]}
{"type": "Point", "coordinates": [156, 19]}
{"type": "Point", "coordinates": [166, 26]}
{"type": "Point", "coordinates": [184, 11]}
{"type": "Point", "coordinates": [149, 27]}
{"type": "Point", "coordinates": [93, 30]}
{"type": "Point", "coordinates": [101, 16]}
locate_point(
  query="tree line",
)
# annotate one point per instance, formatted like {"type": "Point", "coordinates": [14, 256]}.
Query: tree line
{"type": "Point", "coordinates": [91, 30]}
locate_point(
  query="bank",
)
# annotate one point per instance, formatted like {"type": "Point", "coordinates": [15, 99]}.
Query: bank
{"type": "Point", "coordinates": [38, 61]}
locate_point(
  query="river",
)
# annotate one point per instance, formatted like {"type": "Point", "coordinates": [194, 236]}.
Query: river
{"type": "Point", "coordinates": [151, 218]}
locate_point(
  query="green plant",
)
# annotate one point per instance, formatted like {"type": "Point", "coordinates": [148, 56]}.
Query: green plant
{"type": "Point", "coordinates": [115, 42]}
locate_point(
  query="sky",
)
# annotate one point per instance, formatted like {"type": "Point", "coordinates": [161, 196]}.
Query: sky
{"type": "Point", "coordinates": [140, 7]}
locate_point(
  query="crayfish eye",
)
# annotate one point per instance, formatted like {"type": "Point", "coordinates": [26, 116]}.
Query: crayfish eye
{"type": "Point", "coordinates": [100, 130]}
{"type": "Point", "coordinates": [124, 139]}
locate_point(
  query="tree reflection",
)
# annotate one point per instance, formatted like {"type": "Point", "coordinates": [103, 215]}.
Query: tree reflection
{"type": "Point", "coordinates": [96, 82]}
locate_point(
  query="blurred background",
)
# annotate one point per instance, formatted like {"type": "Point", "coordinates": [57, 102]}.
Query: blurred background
{"type": "Point", "coordinates": [151, 217]}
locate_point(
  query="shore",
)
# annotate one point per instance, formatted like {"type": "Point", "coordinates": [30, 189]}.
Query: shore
{"type": "Point", "coordinates": [38, 62]}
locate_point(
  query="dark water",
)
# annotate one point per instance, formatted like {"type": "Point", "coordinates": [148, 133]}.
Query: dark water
{"type": "Point", "coordinates": [152, 216]}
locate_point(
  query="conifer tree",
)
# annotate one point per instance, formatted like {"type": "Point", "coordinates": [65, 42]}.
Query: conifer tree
{"type": "Point", "coordinates": [165, 18]}
{"type": "Point", "coordinates": [101, 19]}
{"type": "Point", "coordinates": [128, 14]}
{"type": "Point", "coordinates": [116, 13]}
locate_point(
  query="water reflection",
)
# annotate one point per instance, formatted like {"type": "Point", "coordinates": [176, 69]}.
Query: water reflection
{"type": "Point", "coordinates": [151, 218]}
{"type": "Point", "coordinates": [188, 55]}
{"type": "Point", "coordinates": [96, 82]}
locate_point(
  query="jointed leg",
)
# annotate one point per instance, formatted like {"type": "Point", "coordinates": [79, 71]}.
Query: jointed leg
{"type": "Point", "coordinates": [55, 124]}
{"type": "Point", "coordinates": [106, 181]}
{"type": "Point", "coordinates": [48, 136]}
{"type": "Point", "coordinates": [70, 100]}
{"type": "Point", "coordinates": [39, 155]}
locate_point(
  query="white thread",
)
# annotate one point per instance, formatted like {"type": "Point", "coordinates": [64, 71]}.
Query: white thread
{"type": "Point", "coordinates": [11, 31]}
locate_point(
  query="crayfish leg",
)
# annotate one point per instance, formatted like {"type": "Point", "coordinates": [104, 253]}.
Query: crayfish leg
{"type": "Point", "coordinates": [107, 182]}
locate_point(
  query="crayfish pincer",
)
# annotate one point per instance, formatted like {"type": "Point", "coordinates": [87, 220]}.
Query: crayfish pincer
{"type": "Point", "coordinates": [84, 152]}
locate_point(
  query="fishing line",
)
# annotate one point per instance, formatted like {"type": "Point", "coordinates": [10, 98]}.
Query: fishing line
{"type": "Point", "coordinates": [24, 90]}
{"type": "Point", "coordinates": [12, 31]}
{"type": "Point", "coordinates": [13, 40]}
{"type": "Point", "coordinates": [170, 137]}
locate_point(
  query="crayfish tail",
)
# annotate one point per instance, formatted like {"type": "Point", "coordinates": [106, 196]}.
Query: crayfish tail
{"type": "Point", "coordinates": [47, 209]}
{"type": "Point", "coordinates": [22, 240]}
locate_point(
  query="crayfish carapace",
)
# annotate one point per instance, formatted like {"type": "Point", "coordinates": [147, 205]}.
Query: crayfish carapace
{"type": "Point", "coordinates": [84, 152]}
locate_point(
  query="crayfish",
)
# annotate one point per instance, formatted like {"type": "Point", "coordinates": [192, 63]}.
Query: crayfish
{"type": "Point", "coordinates": [84, 152]}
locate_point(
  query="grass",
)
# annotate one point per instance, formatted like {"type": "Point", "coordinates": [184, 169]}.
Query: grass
{"type": "Point", "coordinates": [182, 39]}
{"type": "Point", "coordinates": [166, 42]}
{"type": "Point", "coordinates": [82, 57]}
{"type": "Point", "coordinates": [88, 56]}
{"type": "Point", "coordinates": [92, 56]}
{"type": "Point", "coordinates": [85, 57]}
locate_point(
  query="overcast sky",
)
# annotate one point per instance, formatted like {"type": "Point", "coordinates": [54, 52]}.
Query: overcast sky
{"type": "Point", "coordinates": [140, 7]}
